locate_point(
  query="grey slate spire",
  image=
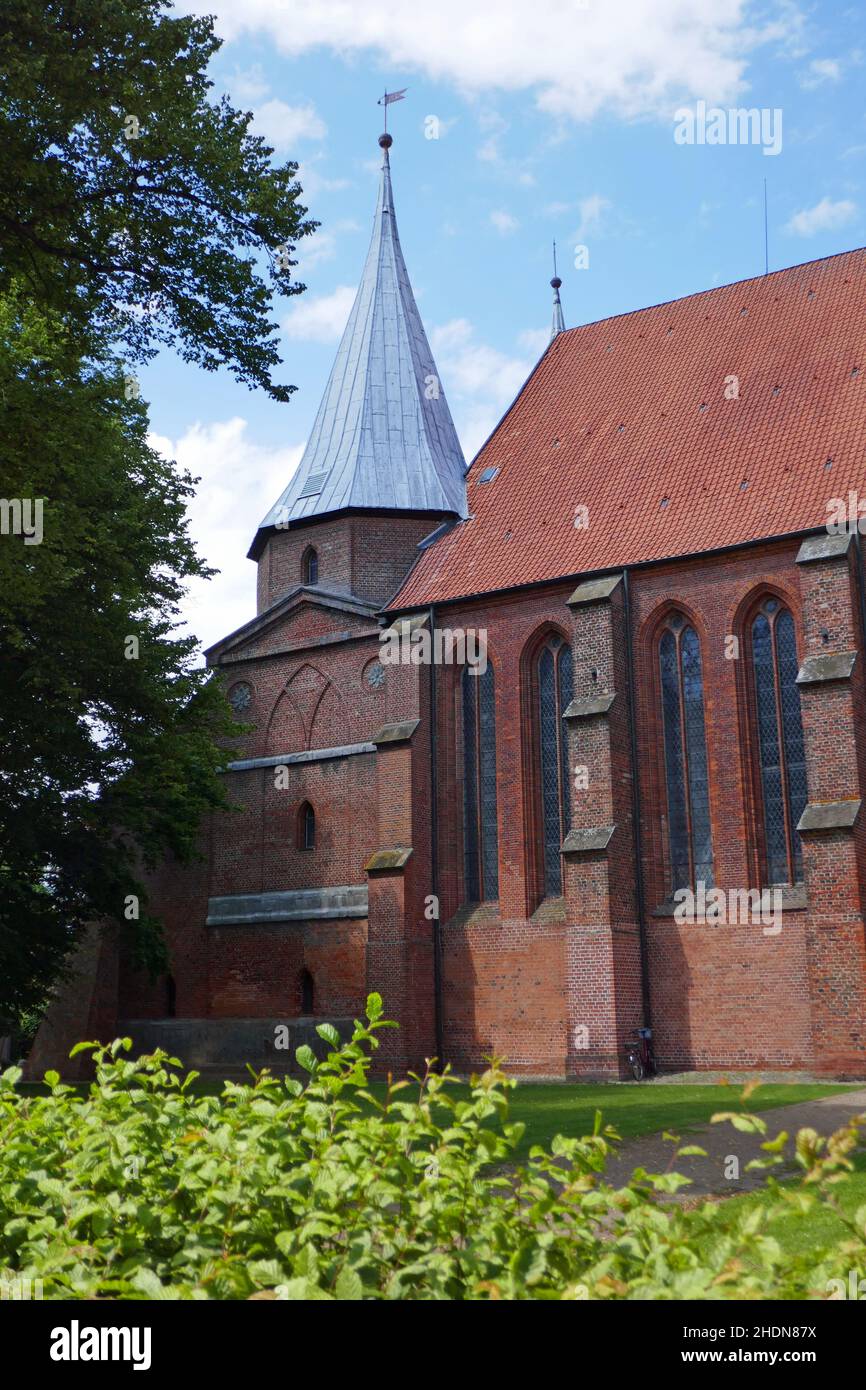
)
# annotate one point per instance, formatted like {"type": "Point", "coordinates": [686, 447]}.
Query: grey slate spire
{"type": "Point", "coordinates": [383, 438]}
{"type": "Point", "coordinates": [558, 325]}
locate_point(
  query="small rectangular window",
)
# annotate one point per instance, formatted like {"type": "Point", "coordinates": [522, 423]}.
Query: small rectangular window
{"type": "Point", "coordinates": [488, 475]}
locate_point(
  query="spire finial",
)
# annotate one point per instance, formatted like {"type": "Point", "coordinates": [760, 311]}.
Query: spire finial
{"type": "Point", "coordinates": [558, 325]}
{"type": "Point", "coordinates": [386, 102]}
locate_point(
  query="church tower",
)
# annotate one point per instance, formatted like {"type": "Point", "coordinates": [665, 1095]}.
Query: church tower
{"type": "Point", "coordinates": [310, 892]}
{"type": "Point", "coordinates": [383, 465]}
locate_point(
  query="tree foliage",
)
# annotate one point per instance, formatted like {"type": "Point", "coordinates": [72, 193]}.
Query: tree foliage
{"type": "Point", "coordinates": [132, 204]}
{"type": "Point", "coordinates": [109, 726]}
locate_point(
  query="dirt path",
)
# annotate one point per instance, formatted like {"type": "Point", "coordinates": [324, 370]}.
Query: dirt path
{"type": "Point", "coordinates": [722, 1142]}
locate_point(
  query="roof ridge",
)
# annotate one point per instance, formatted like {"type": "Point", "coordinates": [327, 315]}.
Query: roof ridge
{"type": "Point", "coordinates": [713, 289]}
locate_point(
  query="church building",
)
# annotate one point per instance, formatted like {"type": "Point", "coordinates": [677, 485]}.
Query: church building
{"type": "Point", "coordinates": [554, 748]}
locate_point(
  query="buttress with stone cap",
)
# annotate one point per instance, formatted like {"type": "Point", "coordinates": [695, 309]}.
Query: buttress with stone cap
{"type": "Point", "coordinates": [383, 438]}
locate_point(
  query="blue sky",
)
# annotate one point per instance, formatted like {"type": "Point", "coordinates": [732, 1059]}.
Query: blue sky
{"type": "Point", "coordinates": [555, 119]}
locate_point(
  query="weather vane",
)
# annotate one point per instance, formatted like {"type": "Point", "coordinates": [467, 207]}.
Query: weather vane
{"type": "Point", "coordinates": [387, 99]}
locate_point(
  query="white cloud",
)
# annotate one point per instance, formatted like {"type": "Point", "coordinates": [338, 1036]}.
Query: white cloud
{"type": "Point", "coordinates": [823, 217]}
{"type": "Point", "coordinates": [320, 319]}
{"type": "Point", "coordinates": [592, 210]}
{"type": "Point", "coordinates": [821, 70]}
{"type": "Point", "coordinates": [239, 481]}
{"type": "Point", "coordinates": [313, 183]}
{"type": "Point", "coordinates": [479, 380]}
{"type": "Point", "coordinates": [556, 209]}
{"type": "Point", "coordinates": [322, 245]}
{"type": "Point", "coordinates": [283, 125]}
{"type": "Point", "coordinates": [635, 58]}
{"type": "Point", "coordinates": [535, 340]}
{"type": "Point", "coordinates": [503, 221]}
{"type": "Point", "coordinates": [246, 86]}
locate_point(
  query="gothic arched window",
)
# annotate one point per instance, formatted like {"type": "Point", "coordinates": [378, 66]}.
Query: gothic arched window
{"type": "Point", "coordinates": [311, 566]}
{"type": "Point", "coordinates": [480, 834]}
{"type": "Point", "coordinates": [555, 691]}
{"type": "Point", "coordinates": [685, 753]}
{"type": "Point", "coordinates": [781, 757]}
{"type": "Point", "coordinates": [306, 827]}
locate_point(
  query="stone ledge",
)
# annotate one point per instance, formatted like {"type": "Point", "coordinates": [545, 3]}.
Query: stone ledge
{"type": "Point", "coordinates": [825, 547]}
{"type": "Point", "coordinates": [834, 666]}
{"type": "Point", "coordinates": [396, 733]}
{"type": "Point", "coordinates": [829, 815]}
{"type": "Point", "coordinates": [583, 841]}
{"type": "Point", "coordinates": [585, 709]}
{"type": "Point", "coordinates": [396, 858]}
{"type": "Point", "coordinates": [793, 899]}
{"type": "Point", "coordinates": [593, 590]}
{"type": "Point", "coordinates": [404, 627]}
{"type": "Point", "coordinates": [311, 755]}
{"type": "Point", "coordinates": [291, 905]}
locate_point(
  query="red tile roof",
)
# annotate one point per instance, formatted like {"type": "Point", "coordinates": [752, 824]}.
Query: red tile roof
{"type": "Point", "coordinates": [628, 417]}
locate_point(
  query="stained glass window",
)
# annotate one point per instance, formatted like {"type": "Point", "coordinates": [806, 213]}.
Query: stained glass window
{"type": "Point", "coordinates": [481, 840]}
{"type": "Point", "coordinates": [781, 754]}
{"type": "Point", "coordinates": [555, 683]}
{"type": "Point", "coordinates": [685, 756]}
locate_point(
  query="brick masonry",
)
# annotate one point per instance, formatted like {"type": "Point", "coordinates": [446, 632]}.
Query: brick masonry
{"type": "Point", "coordinates": [552, 985]}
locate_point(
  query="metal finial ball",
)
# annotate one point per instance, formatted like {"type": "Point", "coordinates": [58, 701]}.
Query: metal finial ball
{"type": "Point", "coordinates": [386, 141]}
{"type": "Point", "coordinates": [555, 282]}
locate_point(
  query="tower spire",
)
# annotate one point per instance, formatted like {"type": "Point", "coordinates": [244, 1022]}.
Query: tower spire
{"type": "Point", "coordinates": [383, 438]}
{"type": "Point", "coordinates": [558, 324]}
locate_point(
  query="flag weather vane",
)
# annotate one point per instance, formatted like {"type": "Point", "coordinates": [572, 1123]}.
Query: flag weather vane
{"type": "Point", "coordinates": [388, 98]}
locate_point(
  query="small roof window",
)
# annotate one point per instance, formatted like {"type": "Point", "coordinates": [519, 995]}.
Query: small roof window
{"type": "Point", "coordinates": [488, 475]}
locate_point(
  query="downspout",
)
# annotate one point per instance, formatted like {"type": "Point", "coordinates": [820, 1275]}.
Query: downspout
{"type": "Point", "coordinates": [861, 592]}
{"type": "Point", "coordinates": [636, 808]}
{"type": "Point", "coordinates": [434, 852]}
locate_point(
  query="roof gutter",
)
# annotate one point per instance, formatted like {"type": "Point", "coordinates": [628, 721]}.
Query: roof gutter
{"type": "Point", "coordinates": [434, 858]}
{"type": "Point", "coordinates": [578, 576]}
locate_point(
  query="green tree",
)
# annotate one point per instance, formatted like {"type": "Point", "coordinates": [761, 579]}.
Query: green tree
{"type": "Point", "coordinates": [108, 726]}
{"type": "Point", "coordinates": [129, 202]}
{"type": "Point", "coordinates": [134, 212]}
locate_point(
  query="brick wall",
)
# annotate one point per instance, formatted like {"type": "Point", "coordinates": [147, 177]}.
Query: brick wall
{"type": "Point", "coordinates": [523, 976]}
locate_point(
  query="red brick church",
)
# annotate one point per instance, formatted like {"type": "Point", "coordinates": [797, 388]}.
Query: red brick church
{"type": "Point", "coordinates": [657, 554]}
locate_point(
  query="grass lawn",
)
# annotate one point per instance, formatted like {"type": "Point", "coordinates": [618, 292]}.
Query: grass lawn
{"type": "Point", "coordinates": [634, 1110]}
{"type": "Point", "coordinates": [569, 1108]}
{"type": "Point", "coordinates": [796, 1233]}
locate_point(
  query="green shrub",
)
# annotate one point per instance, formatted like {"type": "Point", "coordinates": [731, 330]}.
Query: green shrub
{"type": "Point", "coordinates": [143, 1188]}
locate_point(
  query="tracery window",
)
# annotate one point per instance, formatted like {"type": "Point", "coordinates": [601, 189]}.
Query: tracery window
{"type": "Point", "coordinates": [481, 843]}
{"type": "Point", "coordinates": [779, 744]}
{"type": "Point", "coordinates": [685, 755]}
{"type": "Point", "coordinates": [555, 691]}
